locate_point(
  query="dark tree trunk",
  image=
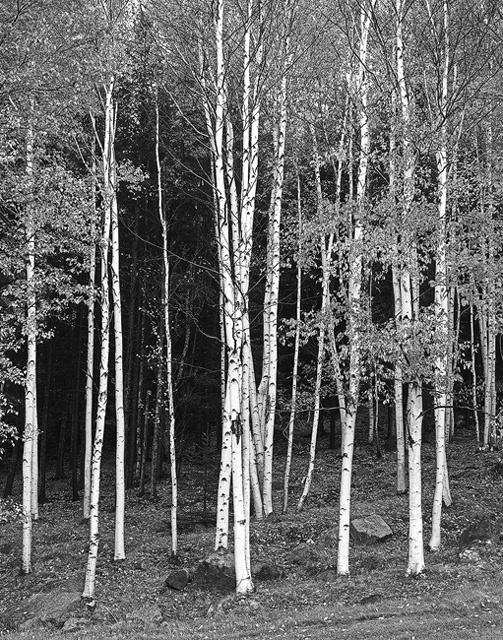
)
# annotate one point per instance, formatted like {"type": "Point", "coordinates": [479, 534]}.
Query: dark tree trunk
{"type": "Point", "coordinates": [144, 443]}
{"type": "Point", "coordinates": [15, 460]}
{"type": "Point", "coordinates": [42, 468]}
{"type": "Point", "coordinates": [333, 430]}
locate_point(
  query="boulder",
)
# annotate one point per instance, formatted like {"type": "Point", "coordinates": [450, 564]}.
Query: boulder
{"type": "Point", "coordinates": [177, 579]}
{"type": "Point", "coordinates": [479, 537]}
{"type": "Point", "coordinates": [329, 537]}
{"type": "Point", "coordinates": [75, 624]}
{"type": "Point", "coordinates": [327, 575]}
{"type": "Point", "coordinates": [304, 554]}
{"type": "Point", "coordinates": [498, 468]}
{"type": "Point", "coordinates": [216, 572]}
{"type": "Point", "coordinates": [370, 529]}
{"type": "Point", "coordinates": [53, 608]}
{"type": "Point", "coordinates": [149, 614]}
{"type": "Point", "coordinates": [269, 571]}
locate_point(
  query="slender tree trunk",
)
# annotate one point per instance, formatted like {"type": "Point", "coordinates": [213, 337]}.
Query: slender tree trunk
{"type": "Point", "coordinates": [273, 274]}
{"type": "Point", "coordinates": [316, 409]}
{"type": "Point", "coordinates": [88, 440]}
{"type": "Point", "coordinates": [74, 425]}
{"type": "Point", "coordinates": [17, 454]}
{"type": "Point", "coordinates": [120, 480]}
{"type": "Point", "coordinates": [44, 425]}
{"type": "Point", "coordinates": [156, 433]}
{"type": "Point", "coordinates": [92, 558]}
{"type": "Point", "coordinates": [441, 301]}
{"type": "Point", "coordinates": [30, 423]}
{"type": "Point", "coordinates": [293, 402]}
{"type": "Point", "coordinates": [144, 445]}
{"type": "Point", "coordinates": [354, 299]}
{"type": "Point", "coordinates": [414, 423]}
{"type": "Point", "coordinates": [169, 347]}
{"type": "Point", "coordinates": [474, 374]}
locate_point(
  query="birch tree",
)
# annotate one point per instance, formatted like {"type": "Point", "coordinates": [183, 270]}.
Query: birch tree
{"type": "Point", "coordinates": [355, 259]}
{"type": "Point", "coordinates": [441, 304]}
{"type": "Point", "coordinates": [409, 308]}
{"type": "Point", "coordinates": [30, 439]}
{"type": "Point", "coordinates": [268, 385]}
{"type": "Point", "coordinates": [102, 400]}
{"type": "Point", "coordinates": [167, 335]}
{"type": "Point", "coordinates": [296, 349]}
{"type": "Point", "coordinates": [235, 212]}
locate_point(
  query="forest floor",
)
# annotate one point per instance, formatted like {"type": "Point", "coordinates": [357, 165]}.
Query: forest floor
{"type": "Point", "coordinates": [452, 599]}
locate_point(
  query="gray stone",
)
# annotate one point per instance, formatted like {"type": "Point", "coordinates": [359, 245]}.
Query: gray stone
{"type": "Point", "coordinates": [374, 597]}
{"type": "Point", "coordinates": [216, 572]}
{"type": "Point", "coordinates": [476, 539]}
{"type": "Point", "coordinates": [75, 624]}
{"type": "Point", "coordinates": [370, 529]}
{"type": "Point", "coordinates": [177, 579]}
{"type": "Point", "coordinates": [269, 571]}
{"type": "Point", "coordinates": [498, 468]}
{"type": "Point", "coordinates": [51, 608]}
{"type": "Point", "coordinates": [329, 537]}
{"type": "Point", "coordinates": [150, 614]}
{"type": "Point", "coordinates": [328, 575]}
{"type": "Point", "coordinates": [304, 554]}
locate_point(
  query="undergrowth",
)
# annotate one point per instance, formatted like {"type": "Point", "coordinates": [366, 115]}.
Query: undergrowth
{"type": "Point", "coordinates": [309, 600]}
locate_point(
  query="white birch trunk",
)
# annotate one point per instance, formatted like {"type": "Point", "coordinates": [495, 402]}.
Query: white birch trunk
{"type": "Point", "coordinates": [88, 444]}
{"type": "Point", "coordinates": [354, 300]}
{"type": "Point", "coordinates": [34, 452]}
{"type": "Point", "coordinates": [111, 189]}
{"type": "Point", "coordinates": [250, 480]}
{"type": "Point", "coordinates": [296, 348]}
{"type": "Point", "coordinates": [326, 254]}
{"type": "Point", "coordinates": [92, 557]}
{"type": "Point", "coordinates": [235, 213]}
{"type": "Point", "coordinates": [271, 311]}
{"type": "Point", "coordinates": [415, 564]}
{"type": "Point", "coordinates": [409, 297]}
{"type": "Point", "coordinates": [316, 409]}
{"type": "Point", "coordinates": [401, 484]}
{"type": "Point", "coordinates": [169, 348]}
{"type": "Point", "coordinates": [29, 446]}
{"type": "Point", "coordinates": [224, 487]}
{"type": "Point", "coordinates": [441, 304]}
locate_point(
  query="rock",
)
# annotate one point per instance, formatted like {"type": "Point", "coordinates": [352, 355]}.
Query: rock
{"type": "Point", "coordinates": [365, 474]}
{"type": "Point", "coordinates": [30, 624]}
{"type": "Point", "coordinates": [177, 579]}
{"type": "Point", "coordinates": [216, 572]}
{"type": "Point", "coordinates": [269, 571]}
{"type": "Point", "coordinates": [328, 575]}
{"type": "Point", "coordinates": [475, 539]}
{"type": "Point", "coordinates": [498, 468]}
{"type": "Point", "coordinates": [374, 597]}
{"type": "Point", "coordinates": [304, 554]}
{"type": "Point", "coordinates": [370, 529]}
{"type": "Point", "coordinates": [51, 608]}
{"type": "Point", "coordinates": [75, 624]}
{"type": "Point", "coordinates": [329, 537]}
{"type": "Point", "coordinates": [150, 614]}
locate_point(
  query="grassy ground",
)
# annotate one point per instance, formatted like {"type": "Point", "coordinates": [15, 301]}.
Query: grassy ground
{"type": "Point", "coordinates": [452, 599]}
